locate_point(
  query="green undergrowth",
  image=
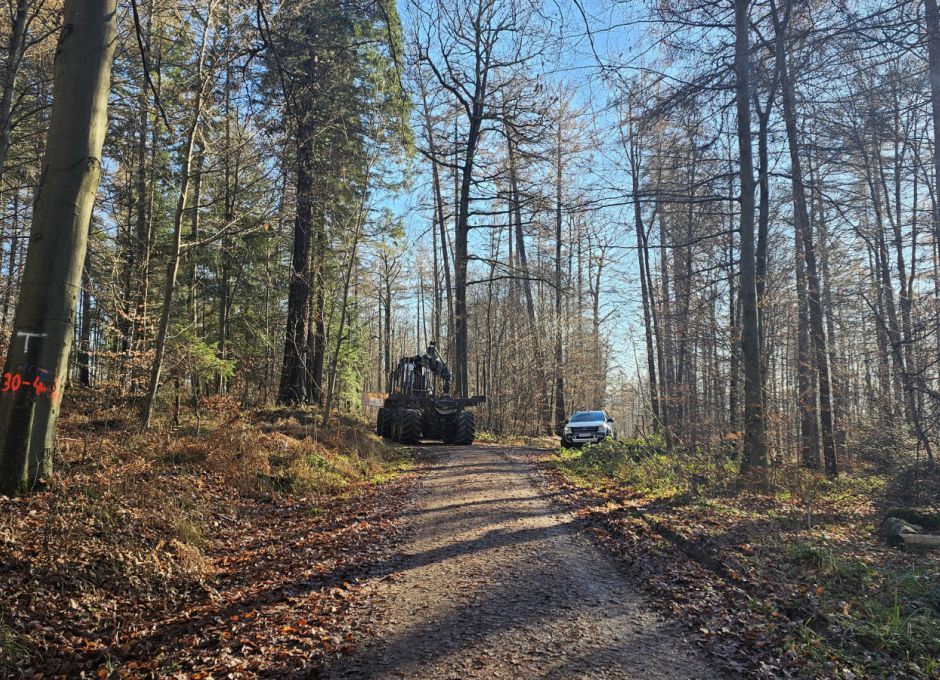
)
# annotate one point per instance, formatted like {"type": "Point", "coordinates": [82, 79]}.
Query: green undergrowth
{"type": "Point", "coordinates": [262, 452]}
{"type": "Point", "coordinates": [879, 618]}
{"type": "Point", "coordinates": [843, 602]}
{"type": "Point", "coordinates": [12, 652]}
{"type": "Point", "coordinates": [644, 466]}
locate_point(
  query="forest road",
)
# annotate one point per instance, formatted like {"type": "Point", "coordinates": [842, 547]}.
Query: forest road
{"type": "Point", "coordinates": [496, 581]}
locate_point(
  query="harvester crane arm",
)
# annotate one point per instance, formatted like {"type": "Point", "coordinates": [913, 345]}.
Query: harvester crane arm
{"type": "Point", "coordinates": [433, 362]}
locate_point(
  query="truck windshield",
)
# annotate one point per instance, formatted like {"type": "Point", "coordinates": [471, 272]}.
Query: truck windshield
{"type": "Point", "coordinates": [587, 417]}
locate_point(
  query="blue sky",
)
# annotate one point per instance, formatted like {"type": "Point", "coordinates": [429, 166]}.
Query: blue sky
{"type": "Point", "coordinates": [577, 67]}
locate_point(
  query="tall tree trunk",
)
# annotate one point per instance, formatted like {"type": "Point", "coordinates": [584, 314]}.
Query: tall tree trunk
{"type": "Point", "coordinates": [461, 233]}
{"type": "Point", "coordinates": [804, 227]}
{"type": "Point", "coordinates": [932, 20]}
{"type": "Point", "coordinates": [12, 260]}
{"type": "Point", "coordinates": [755, 435]}
{"type": "Point", "coordinates": [179, 215]}
{"type": "Point", "coordinates": [293, 373]}
{"type": "Point", "coordinates": [734, 317]}
{"type": "Point", "coordinates": [194, 230]}
{"type": "Point", "coordinates": [515, 217]}
{"type": "Point", "coordinates": [666, 338]}
{"type": "Point", "coordinates": [15, 48]}
{"type": "Point", "coordinates": [228, 215]}
{"type": "Point", "coordinates": [84, 349]}
{"type": "Point", "coordinates": [439, 215]}
{"type": "Point", "coordinates": [763, 228]}
{"type": "Point", "coordinates": [836, 367]}
{"type": "Point", "coordinates": [806, 375]}
{"type": "Point", "coordinates": [45, 316]}
{"type": "Point", "coordinates": [334, 362]}
{"type": "Point", "coordinates": [317, 344]}
{"type": "Point", "coordinates": [388, 334]}
{"type": "Point", "coordinates": [140, 272]}
{"type": "Point", "coordinates": [657, 338]}
{"type": "Point", "coordinates": [642, 254]}
{"type": "Point", "coordinates": [560, 414]}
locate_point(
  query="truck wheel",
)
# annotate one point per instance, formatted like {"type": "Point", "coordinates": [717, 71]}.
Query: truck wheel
{"type": "Point", "coordinates": [449, 432]}
{"type": "Point", "coordinates": [384, 422]}
{"type": "Point", "coordinates": [410, 426]}
{"type": "Point", "coordinates": [465, 428]}
{"type": "Point", "coordinates": [431, 426]}
{"type": "Point", "coordinates": [393, 424]}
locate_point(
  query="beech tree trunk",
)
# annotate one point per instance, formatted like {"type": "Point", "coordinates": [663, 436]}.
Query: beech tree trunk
{"type": "Point", "coordinates": [45, 317]}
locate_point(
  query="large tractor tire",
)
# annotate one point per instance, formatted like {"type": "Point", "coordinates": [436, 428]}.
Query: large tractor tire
{"type": "Point", "coordinates": [383, 423]}
{"type": "Point", "coordinates": [448, 432]}
{"type": "Point", "coordinates": [410, 432]}
{"type": "Point", "coordinates": [431, 426]}
{"type": "Point", "coordinates": [465, 428]}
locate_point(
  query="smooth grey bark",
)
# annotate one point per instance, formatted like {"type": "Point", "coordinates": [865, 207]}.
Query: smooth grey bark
{"type": "Point", "coordinates": [84, 349]}
{"type": "Point", "coordinates": [45, 317]}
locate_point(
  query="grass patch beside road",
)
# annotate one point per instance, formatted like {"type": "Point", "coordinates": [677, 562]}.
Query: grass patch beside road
{"type": "Point", "coordinates": [792, 581]}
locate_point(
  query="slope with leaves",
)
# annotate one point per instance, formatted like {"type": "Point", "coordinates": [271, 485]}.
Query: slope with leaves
{"type": "Point", "coordinates": [234, 552]}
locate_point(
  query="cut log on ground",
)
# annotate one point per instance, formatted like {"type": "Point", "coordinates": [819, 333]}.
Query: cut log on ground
{"type": "Point", "coordinates": [920, 542]}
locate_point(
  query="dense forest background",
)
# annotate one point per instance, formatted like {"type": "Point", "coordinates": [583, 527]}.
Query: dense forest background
{"type": "Point", "coordinates": [222, 222]}
{"type": "Point", "coordinates": [294, 195]}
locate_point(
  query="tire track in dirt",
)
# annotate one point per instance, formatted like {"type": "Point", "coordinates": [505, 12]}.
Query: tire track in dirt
{"type": "Point", "coordinates": [496, 581]}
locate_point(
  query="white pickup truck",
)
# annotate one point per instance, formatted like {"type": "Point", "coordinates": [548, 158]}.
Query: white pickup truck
{"type": "Point", "coordinates": [587, 427]}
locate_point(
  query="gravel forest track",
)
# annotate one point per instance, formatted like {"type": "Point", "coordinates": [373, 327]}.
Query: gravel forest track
{"type": "Point", "coordinates": [495, 581]}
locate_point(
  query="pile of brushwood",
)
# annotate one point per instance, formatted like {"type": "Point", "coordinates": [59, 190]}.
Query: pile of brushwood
{"type": "Point", "coordinates": [233, 552]}
{"type": "Point", "coordinates": [794, 581]}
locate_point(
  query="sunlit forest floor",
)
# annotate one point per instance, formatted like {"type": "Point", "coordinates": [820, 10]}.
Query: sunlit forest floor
{"type": "Point", "coordinates": [244, 548]}
{"type": "Point", "coordinates": [791, 581]}
{"type": "Point", "coordinates": [177, 554]}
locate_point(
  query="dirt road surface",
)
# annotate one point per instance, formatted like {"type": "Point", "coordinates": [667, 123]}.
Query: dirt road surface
{"type": "Point", "coordinates": [496, 582]}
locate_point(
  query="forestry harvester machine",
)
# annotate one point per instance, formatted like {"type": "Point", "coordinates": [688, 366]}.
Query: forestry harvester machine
{"type": "Point", "coordinates": [415, 408]}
